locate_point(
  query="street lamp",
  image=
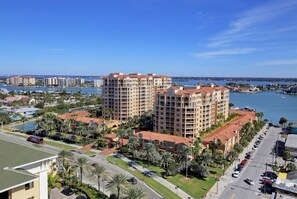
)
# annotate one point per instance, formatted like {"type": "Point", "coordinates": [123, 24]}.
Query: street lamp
{"type": "Point", "coordinates": [218, 185]}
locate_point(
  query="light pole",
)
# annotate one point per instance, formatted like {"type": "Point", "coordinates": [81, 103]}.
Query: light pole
{"type": "Point", "coordinates": [218, 185]}
{"type": "Point", "coordinates": [2, 127]}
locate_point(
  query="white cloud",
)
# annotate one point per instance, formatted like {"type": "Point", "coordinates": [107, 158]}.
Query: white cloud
{"type": "Point", "coordinates": [279, 62]}
{"type": "Point", "coordinates": [234, 51]}
{"type": "Point", "coordinates": [255, 23]}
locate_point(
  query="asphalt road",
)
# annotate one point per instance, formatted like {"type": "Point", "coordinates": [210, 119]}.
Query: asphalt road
{"type": "Point", "coordinates": [237, 188]}
{"type": "Point", "coordinates": [112, 169]}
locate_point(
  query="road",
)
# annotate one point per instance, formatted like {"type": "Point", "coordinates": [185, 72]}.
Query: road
{"type": "Point", "coordinates": [237, 188]}
{"type": "Point", "coordinates": [112, 169]}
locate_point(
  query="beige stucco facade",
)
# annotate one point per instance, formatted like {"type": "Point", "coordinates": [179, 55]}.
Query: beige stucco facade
{"type": "Point", "coordinates": [190, 110]}
{"type": "Point", "coordinates": [130, 95]}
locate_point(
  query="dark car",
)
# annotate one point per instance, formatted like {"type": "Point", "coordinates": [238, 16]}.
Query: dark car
{"type": "Point", "coordinates": [81, 197]}
{"type": "Point", "coordinates": [67, 191]}
{"type": "Point", "coordinates": [248, 156]}
{"type": "Point", "coordinates": [133, 180]}
{"type": "Point", "coordinates": [148, 173]}
{"type": "Point", "coordinates": [118, 155]}
{"type": "Point", "coordinates": [132, 163]}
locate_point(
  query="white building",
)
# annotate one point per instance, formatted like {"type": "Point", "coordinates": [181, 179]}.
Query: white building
{"type": "Point", "coordinates": [98, 83]}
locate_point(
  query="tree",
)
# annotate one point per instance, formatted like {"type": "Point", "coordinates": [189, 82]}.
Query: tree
{"type": "Point", "coordinates": [291, 167]}
{"type": "Point", "coordinates": [135, 193]}
{"type": "Point", "coordinates": [151, 154]}
{"type": "Point", "coordinates": [196, 150]}
{"type": "Point", "coordinates": [64, 156]}
{"type": "Point", "coordinates": [53, 181]}
{"type": "Point", "coordinates": [133, 143]}
{"type": "Point", "coordinates": [118, 183]}
{"type": "Point", "coordinates": [200, 170]}
{"type": "Point", "coordinates": [286, 156]}
{"type": "Point", "coordinates": [122, 133]}
{"type": "Point", "coordinates": [97, 172]}
{"type": "Point", "coordinates": [283, 121]}
{"type": "Point", "coordinates": [205, 158]}
{"type": "Point", "coordinates": [82, 163]}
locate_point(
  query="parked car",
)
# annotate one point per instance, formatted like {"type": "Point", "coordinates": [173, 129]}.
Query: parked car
{"type": "Point", "coordinates": [67, 191]}
{"type": "Point", "coordinates": [133, 180]}
{"type": "Point", "coordinates": [266, 181]}
{"type": "Point", "coordinates": [118, 155]}
{"type": "Point", "coordinates": [35, 139]}
{"type": "Point", "coordinates": [235, 174]}
{"type": "Point", "coordinates": [148, 173]}
{"type": "Point", "coordinates": [249, 181]}
{"type": "Point", "coordinates": [94, 164]}
{"type": "Point", "coordinates": [132, 163]}
{"type": "Point", "coordinates": [239, 168]}
{"type": "Point", "coordinates": [248, 156]}
{"type": "Point", "coordinates": [243, 162]}
{"type": "Point", "coordinates": [81, 197]}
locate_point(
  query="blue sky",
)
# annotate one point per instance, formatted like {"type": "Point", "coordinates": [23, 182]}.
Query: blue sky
{"type": "Point", "coordinates": [249, 38]}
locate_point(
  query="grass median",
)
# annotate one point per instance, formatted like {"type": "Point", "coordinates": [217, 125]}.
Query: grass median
{"type": "Point", "coordinates": [159, 188]}
{"type": "Point", "coordinates": [59, 145]}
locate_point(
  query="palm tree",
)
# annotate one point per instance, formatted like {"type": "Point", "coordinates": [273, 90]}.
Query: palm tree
{"type": "Point", "coordinates": [82, 163]}
{"type": "Point", "coordinates": [122, 133]}
{"type": "Point", "coordinates": [117, 183]}
{"type": "Point", "coordinates": [97, 172]}
{"type": "Point", "coordinates": [166, 158]}
{"type": "Point", "coordinates": [64, 156]}
{"type": "Point", "coordinates": [197, 147]}
{"type": "Point", "coordinates": [133, 143]}
{"type": "Point", "coordinates": [135, 193]}
{"type": "Point", "coordinates": [149, 150]}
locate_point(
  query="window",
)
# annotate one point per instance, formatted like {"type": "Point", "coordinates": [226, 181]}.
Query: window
{"type": "Point", "coordinates": [29, 185]}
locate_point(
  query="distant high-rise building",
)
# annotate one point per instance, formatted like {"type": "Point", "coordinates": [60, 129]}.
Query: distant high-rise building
{"type": "Point", "coordinates": [98, 83]}
{"type": "Point", "coordinates": [190, 110]}
{"type": "Point", "coordinates": [21, 81]}
{"type": "Point", "coordinates": [63, 82]}
{"type": "Point", "coordinates": [131, 95]}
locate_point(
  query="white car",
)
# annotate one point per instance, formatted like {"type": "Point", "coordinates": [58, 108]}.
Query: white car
{"type": "Point", "coordinates": [294, 159]}
{"type": "Point", "coordinates": [235, 174]}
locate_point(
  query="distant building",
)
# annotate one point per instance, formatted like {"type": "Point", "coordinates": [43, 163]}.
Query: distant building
{"type": "Point", "coordinates": [63, 82]}
{"type": "Point", "coordinates": [291, 144]}
{"type": "Point", "coordinates": [292, 90]}
{"type": "Point", "coordinates": [21, 81]}
{"type": "Point", "coordinates": [98, 83]}
{"type": "Point", "coordinates": [131, 95]}
{"type": "Point", "coordinates": [23, 171]}
{"type": "Point", "coordinates": [190, 110]}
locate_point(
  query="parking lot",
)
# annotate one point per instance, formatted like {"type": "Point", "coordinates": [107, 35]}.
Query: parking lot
{"type": "Point", "coordinates": [260, 160]}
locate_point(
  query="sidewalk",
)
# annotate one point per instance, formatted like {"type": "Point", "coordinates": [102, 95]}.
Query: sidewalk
{"type": "Point", "coordinates": [224, 180]}
{"type": "Point", "coordinates": [162, 181]}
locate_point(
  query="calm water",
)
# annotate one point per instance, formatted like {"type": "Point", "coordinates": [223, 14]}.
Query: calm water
{"type": "Point", "coordinates": [273, 105]}
{"type": "Point", "coordinates": [27, 126]}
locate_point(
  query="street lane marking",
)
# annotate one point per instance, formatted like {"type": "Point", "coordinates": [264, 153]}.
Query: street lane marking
{"type": "Point", "coordinates": [232, 196]}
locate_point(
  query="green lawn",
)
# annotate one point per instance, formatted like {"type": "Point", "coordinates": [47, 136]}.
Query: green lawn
{"type": "Point", "coordinates": [196, 187]}
{"type": "Point", "coordinates": [90, 153]}
{"type": "Point", "coordinates": [187, 185]}
{"type": "Point", "coordinates": [59, 145]}
{"type": "Point", "coordinates": [162, 190]}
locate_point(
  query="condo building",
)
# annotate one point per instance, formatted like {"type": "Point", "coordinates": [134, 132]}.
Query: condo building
{"type": "Point", "coordinates": [21, 81]}
{"type": "Point", "coordinates": [189, 110]}
{"type": "Point", "coordinates": [131, 95]}
{"type": "Point", "coordinates": [98, 83]}
{"type": "Point", "coordinates": [63, 82]}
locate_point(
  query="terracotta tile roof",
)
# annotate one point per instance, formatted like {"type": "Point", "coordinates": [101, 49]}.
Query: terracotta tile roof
{"type": "Point", "coordinates": [88, 120]}
{"type": "Point", "coordinates": [120, 75]}
{"type": "Point", "coordinates": [147, 135]}
{"type": "Point", "coordinates": [74, 114]}
{"type": "Point", "coordinates": [188, 91]}
{"type": "Point", "coordinates": [111, 136]}
{"type": "Point", "coordinates": [231, 129]}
